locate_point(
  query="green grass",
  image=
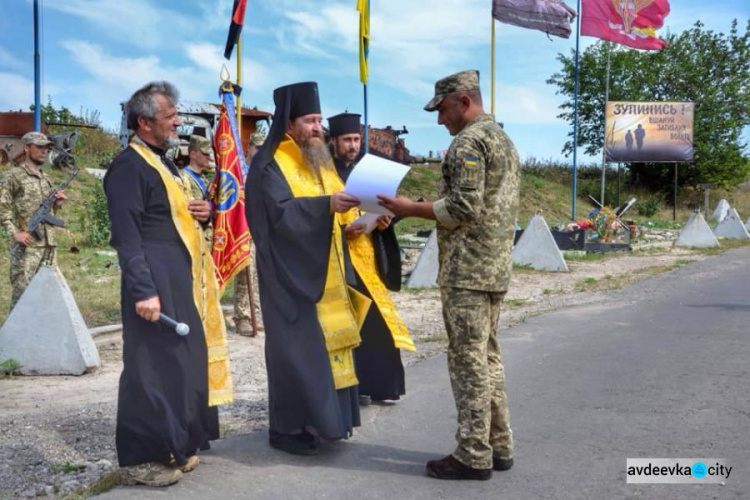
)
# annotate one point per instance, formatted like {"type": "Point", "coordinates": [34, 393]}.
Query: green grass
{"type": "Point", "coordinates": [66, 467]}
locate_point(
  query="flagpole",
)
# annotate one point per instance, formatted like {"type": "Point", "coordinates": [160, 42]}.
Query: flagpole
{"type": "Point", "coordinates": [239, 84]}
{"type": "Point", "coordinates": [37, 72]}
{"type": "Point", "coordinates": [367, 132]}
{"type": "Point", "coordinates": [575, 121]}
{"type": "Point", "coordinates": [492, 65]}
{"type": "Point", "coordinates": [604, 145]}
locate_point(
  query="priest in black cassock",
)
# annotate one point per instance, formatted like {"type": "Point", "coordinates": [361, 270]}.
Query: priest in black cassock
{"type": "Point", "coordinates": [311, 317]}
{"type": "Point", "coordinates": [376, 258]}
{"type": "Point", "coordinates": [170, 384]}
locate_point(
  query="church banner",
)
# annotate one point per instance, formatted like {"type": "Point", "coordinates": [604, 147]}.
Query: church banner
{"type": "Point", "coordinates": [649, 132]}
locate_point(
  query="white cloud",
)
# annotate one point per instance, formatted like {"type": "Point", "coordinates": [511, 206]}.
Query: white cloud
{"type": "Point", "coordinates": [9, 61]}
{"type": "Point", "coordinates": [18, 92]}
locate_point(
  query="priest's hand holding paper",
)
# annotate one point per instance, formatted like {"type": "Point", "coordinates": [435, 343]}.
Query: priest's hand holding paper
{"type": "Point", "coordinates": [383, 222]}
{"type": "Point", "coordinates": [354, 229]}
{"type": "Point", "coordinates": [341, 202]}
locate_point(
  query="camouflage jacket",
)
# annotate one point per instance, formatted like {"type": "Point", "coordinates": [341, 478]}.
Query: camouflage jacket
{"type": "Point", "coordinates": [477, 208]}
{"type": "Point", "coordinates": [20, 195]}
{"type": "Point", "coordinates": [197, 193]}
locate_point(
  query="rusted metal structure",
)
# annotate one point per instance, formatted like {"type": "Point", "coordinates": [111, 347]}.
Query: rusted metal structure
{"type": "Point", "coordinates": [13, 125]}
{"type": "Point", "coordinates": [388, 143]}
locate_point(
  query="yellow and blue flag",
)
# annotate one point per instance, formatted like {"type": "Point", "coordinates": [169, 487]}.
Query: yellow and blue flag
{"type": "Point", "coordinates": [363, 6]}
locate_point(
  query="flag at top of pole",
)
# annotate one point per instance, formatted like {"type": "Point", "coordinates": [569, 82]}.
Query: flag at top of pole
{"type": "Point", "coordinates": [363, 6]}
{"type": "Point", "coordinates": [235, 27]}
{"type": "Point", "coordinates": [231, 243]}
{"type": "Point", "coordinates": [550, 16]}
{"type": "Point", "coordinates": [632, 23]}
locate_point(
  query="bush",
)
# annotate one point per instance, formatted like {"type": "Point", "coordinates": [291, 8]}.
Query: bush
{"type": "Point", "coordinates": [649, 207]}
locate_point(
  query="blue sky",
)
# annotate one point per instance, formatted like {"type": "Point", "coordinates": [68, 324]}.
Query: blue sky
{"type": "Point", "coordinates": [97, 52]}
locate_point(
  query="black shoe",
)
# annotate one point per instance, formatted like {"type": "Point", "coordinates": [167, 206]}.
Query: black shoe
{"type": "Point", "coordinates": [364, 400]}
{"type": "Point", "coordinates": [501, 464]}
{"type": "Point", "coordinates": [296, 444]}
{"type": "Point", "coordinates": [450, 468]}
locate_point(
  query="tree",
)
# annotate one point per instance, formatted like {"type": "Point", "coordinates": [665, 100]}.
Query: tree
{"type": "Point", "coordinates": [710, 69]}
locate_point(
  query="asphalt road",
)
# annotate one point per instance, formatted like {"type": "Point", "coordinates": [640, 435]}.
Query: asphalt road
{"type": "Point", "coordinates": [661, 370]}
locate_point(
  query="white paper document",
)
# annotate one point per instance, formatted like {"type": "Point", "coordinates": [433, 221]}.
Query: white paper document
{"type": "Point", "coordinates": [369, 220]}
{"type": "Point", "coordinates": [373, 176]}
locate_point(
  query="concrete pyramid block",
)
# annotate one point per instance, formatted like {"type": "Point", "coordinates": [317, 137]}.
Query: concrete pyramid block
{"type": "Point", "coordinates": [425, 273]}
{"type": "Point", "coordinates": [45, 332]}
{"type": "Point", "coordinates": [696, 233]}
{"type": "Point", "coordinates": [731, 227]}
{"type": "Point", "coordinates": [537, 248]}
{"type": "Point", "coordinates": [721, 211]}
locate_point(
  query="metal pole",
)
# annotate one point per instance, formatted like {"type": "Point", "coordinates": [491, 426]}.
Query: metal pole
{"type": "Point", "coordinates": [604, 145]}
{"type": "Point", "coordinates": [367, 126]}
{"type": "Point", "coordinates": [492, 65]}
{"type": "Point", "coordinates": [37, 72]}
{"type": "Point", "coordinates": [618, 184]}
{"type": "Point", "coordinates": [239, 84]}
{"type": "Point", "coordinates": [674, 204]}
{"type": "Point", "coordinates": [575, 122]}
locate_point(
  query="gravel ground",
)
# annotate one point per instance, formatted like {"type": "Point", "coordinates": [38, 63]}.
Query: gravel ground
{"type": "Point", "coordinates": [57, 433]}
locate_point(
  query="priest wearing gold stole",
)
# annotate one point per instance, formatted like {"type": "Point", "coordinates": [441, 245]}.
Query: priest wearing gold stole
{"type": "Point", "coordinates": [170, 384]}
{"type": "Point", "coordinates": [294, 202]}
{"type": "Point", "coordinates": [376, 258]}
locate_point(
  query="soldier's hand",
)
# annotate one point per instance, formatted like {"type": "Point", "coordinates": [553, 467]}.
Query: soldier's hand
{"type": "Point", "coordinates": [341, 202]}
{"type": "Point", "coordinates": [200, 210]}
{"type": "Point", "coordinates": [23, 238]}
{"type": "Point", "coordinates": [383, 222]}
{"type": "Point", "coordinates": [60, 198]}
{"type": "Point", "coordinates": [149, 309]}
{"type": "Point", "coordinates": [398, 205]}
{"type": "Point", "coordinates": [354, 230]}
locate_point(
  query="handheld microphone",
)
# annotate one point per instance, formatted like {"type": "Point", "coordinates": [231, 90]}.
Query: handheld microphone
{"type": "Point", "coordinates": [180, 328]}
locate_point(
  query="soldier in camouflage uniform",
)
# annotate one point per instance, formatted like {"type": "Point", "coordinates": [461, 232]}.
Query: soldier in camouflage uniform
{"type": "Point", "coordinates": [199, 153]}
{"type": "Point", "coordinates": [242, 318]}
{"type": "Point", "coordinates": [24, 190]}
{"type": "Point", "coordinates": [475, 215]}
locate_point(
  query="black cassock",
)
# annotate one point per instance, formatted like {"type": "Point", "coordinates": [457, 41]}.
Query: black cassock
{"type": "Point", "coordinates": [163, 397]}
{"type": "Point", "coordinates": [293, 239]}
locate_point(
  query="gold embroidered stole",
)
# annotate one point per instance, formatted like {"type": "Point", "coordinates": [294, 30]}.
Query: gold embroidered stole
{"type": "Point", "coordinates": [363, 258]}
{"type": "Point", "coordinates": [205, 286]}
{"type": "Point", "coordinates": [341, 310]}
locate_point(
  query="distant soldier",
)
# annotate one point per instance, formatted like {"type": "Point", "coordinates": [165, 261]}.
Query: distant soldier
{"type": "Point", "coordinates": [242, 318]}
{"type": "Point", "coordinates": [24, 190]}
{"type": "Point", "coordinates": [475, 212]}
{"type": "Point", "coordinates": [199, 153]}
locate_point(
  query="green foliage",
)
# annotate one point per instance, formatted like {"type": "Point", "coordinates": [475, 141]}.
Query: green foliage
{"type": "Point", "coordinates": [8, 367]}
{"type": "Point", "coordinates": [96, 219]}
{"type": "Point", "coordinates": [710, 69]}
{"type": "Point", "coordinates": [649, 207]}
{"type": "Point", "coordinates": [66, 467]}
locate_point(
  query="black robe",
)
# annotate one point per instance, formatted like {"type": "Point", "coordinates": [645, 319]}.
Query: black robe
{"type": "Point", "coordinates": [293, 240]}
{"type": "Point", "coordinates": [163, 397]}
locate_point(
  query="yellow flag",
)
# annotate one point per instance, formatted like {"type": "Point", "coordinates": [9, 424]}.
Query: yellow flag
{"type": "Point", "coordinates": [363, 6]}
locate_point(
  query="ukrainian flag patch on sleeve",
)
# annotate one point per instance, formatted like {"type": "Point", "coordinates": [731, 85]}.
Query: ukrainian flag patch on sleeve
{"type": "Point", "coordinates": [469, 173]}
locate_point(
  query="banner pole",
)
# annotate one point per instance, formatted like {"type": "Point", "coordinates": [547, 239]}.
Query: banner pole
{"type": "Point", "coordinates": [604, 145]}
{"type": "Point", "coordinates": [574, 187]}
{"type": "Point", "coordinates": [239, 84]}
{"type": "Point", "coordinates": [492, 65]}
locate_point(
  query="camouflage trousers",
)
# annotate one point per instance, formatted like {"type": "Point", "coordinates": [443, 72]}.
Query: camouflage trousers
{"type": "Point", "coordinates": [241, 295]}
{"type": "Point", "coordinates": [24, 269]}
{"type": "Point", "coordinates": [477, 376]}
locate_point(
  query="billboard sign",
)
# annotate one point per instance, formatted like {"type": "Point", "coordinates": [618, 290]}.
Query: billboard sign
{"type": "Point", "coordinates": [649, 132]}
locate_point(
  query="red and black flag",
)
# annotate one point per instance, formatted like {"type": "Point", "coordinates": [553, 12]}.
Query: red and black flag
{"type": "Point", "coordinates": [235, 28]}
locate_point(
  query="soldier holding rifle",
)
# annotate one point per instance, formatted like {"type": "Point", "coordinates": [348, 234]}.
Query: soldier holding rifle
{"type": "Point", "coordinates": [25, 189]}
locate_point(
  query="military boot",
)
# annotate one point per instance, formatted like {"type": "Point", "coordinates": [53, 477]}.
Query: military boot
{"type": "Point", "coordinates": [450, 468]}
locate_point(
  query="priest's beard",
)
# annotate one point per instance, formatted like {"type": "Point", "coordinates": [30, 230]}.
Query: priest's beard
{"type": "Point", "coordinates": [316, 154]}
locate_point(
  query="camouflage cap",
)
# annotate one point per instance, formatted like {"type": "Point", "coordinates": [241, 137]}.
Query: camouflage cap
{"type": "Point", "coordinates": [464, 80]}
{"type": "Point", "coordinates": [200, 143]}
{"type": "Point", "coordinates": [256, 139]}
{"type": "Point", "coordinates": [36, 138]}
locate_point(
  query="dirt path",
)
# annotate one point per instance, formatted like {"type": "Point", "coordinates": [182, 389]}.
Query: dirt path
{"type": "Point", "coordinates": [57, 433]}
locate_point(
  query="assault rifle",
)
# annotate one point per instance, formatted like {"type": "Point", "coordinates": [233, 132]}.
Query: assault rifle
{"type": "Point", "coordinates": [43, 215]}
